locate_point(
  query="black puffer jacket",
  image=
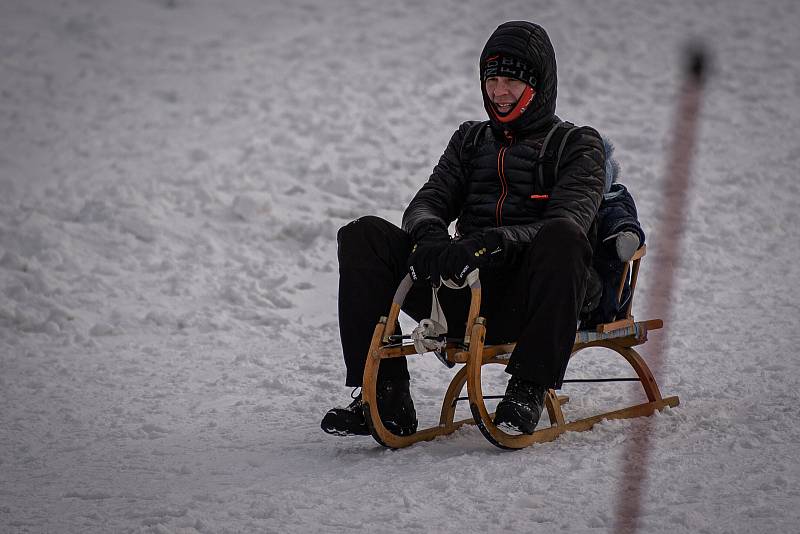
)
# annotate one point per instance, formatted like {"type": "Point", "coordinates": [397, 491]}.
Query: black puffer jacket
{"type": "Point", "coordinates": [493, 185]}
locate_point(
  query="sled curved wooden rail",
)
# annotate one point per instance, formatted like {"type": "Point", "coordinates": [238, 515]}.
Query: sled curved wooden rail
{"type": "Point", "coordinates": [620, 336]}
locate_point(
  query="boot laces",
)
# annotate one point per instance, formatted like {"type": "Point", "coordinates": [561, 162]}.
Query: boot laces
{"type": "Point", "coordinates": [356, 399]}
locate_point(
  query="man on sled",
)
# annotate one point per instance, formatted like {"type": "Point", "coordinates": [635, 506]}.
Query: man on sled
{"type": "Point", "coordinates": [525, 210]}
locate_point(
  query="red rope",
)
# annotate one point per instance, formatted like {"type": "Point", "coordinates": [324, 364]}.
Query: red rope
{"type": "Point", "coordinates": [667, 238]}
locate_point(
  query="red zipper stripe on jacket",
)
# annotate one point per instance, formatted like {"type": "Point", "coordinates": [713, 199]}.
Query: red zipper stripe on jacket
{"type": "Point", "coordinates": [501, 158]}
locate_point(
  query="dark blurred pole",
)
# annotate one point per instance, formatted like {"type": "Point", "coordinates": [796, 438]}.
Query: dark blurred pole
{"type": "Point", "coordinates": [667, 240]}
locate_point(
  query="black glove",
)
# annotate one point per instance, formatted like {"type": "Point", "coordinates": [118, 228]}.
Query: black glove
{"type": "Point", "coordinates": [423, 263]}
{"type": "Point", "coordinates": [468, 254]}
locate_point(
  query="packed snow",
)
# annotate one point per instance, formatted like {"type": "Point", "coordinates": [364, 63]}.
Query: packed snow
{"type": "Point", "coordinates": [173, 174]}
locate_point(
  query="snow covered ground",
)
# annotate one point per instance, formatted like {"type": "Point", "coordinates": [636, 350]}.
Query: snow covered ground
{"type": "Point", "coordinates": [173, 173]}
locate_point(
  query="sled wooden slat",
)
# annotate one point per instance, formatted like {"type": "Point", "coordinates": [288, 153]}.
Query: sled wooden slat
{"type": "Point", "coordinates": [616, 325]}
{"type": "Point", "coordinates": [619, 336]}
{"type": "Point", "coordinates": [395, 352]}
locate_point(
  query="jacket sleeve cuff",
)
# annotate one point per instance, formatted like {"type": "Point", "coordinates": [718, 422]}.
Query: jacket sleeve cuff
{"type": "Point", "coordinates": [429, 231]}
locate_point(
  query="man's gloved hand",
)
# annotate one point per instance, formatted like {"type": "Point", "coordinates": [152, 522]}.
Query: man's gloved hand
{"type": "Point", "coordinates": [470, 253]}
{"type": "Point", "coordinates": [423, 263]}
{"type": "Point", "coordinates": [626, 244]}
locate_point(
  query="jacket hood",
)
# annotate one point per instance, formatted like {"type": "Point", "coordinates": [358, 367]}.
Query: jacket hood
{"type": "Point", "coordinates": [529, 43]}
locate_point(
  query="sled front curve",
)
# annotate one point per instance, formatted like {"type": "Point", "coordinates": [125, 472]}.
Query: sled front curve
{"type": "Point", "coordinates": [619, 336]}
{"type": "Point", "coordinates": [380, 349]}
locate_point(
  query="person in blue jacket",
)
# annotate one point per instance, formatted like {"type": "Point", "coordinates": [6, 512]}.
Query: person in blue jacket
{"type": "Point", "coordinates": [619, 236]}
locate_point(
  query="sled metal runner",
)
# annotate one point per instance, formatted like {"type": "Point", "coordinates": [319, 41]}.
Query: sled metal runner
{"type": "Point", "coordinates": [619, 336]}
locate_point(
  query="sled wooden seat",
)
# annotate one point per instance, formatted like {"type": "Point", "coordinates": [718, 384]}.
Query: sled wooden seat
{"type": "Point", "coordinates": [619, 336]}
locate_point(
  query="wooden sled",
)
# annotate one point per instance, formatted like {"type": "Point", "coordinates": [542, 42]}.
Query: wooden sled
{"type": "Point", "coordinates": [619, 336]}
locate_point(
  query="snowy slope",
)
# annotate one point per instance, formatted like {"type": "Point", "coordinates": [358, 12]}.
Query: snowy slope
{"type": "Point", "coordinates": [173, 173]}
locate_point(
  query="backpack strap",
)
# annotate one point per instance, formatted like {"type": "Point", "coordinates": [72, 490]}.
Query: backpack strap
{"type": "Point", "coordinates": [550, 154]}
{"type": "Point", "coordinates": [468, 142]}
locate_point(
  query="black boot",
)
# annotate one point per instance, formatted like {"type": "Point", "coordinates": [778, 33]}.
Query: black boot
{"type": "Point", "coordinates": [346, 421]}
{"type": "Point", "coordinates": [396, 407]}
{"type": "Point", "coordinates": [521, 406]}
{"type": "Point", "coordinates": [394, 404]}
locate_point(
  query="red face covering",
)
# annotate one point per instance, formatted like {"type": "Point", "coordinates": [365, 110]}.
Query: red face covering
{"type": "Point", "coordinates": [522, 104]}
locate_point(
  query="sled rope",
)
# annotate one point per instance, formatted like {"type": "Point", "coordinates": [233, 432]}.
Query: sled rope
{"type": "Point", "coordinates": [430, 334]}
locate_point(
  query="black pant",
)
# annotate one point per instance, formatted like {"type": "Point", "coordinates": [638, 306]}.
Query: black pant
{"type": "Point", "coordinates": [533, 299]}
